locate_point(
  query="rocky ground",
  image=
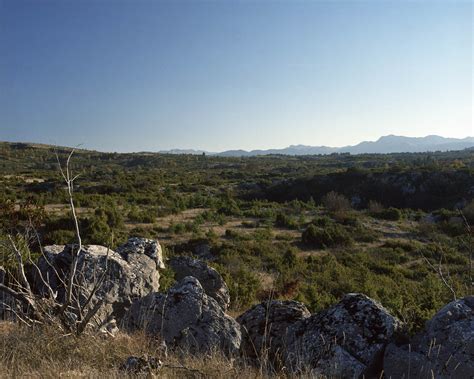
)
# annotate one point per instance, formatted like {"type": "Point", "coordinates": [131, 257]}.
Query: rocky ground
{"type": "Point", "coordinates": [356, 337]}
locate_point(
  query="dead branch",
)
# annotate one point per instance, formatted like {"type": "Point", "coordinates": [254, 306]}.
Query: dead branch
{"type": "Point", "coordinates": [75, 311]}
{"type": "Point", "coordinates": [439, 271]}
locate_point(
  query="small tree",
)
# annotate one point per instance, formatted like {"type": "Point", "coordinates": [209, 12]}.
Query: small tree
{"type": "Point", "coordinates": [335, 202]}
{"type": "Point", "coordinates": [79, 307]}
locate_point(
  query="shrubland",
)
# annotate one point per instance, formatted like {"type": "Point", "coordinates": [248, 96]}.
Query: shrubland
{"type": "Point", "coordinates": [310, 228]}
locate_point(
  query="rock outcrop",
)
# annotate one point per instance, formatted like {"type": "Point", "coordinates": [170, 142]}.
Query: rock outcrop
{"type": "Point", "coordinates": [124, 280]}
{"type": "Point", "coordinates": [186, 318]}
{"type": "Point", "coordinates": [346, 340]}
{"type": "Point", "coordinates": [444, 350]}
{"type": "Point", "coordinates": [355, 338]}
{"type": "Point", "coordinates": [264, 328]}
{"type": "Point", "coordinates": [211, 281]}
{"type": "Point", "coordinates": [136, 246]}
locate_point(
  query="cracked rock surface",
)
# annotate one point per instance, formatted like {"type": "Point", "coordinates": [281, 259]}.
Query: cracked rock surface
{"type": "Point", "coordinates": [346, 340]}
{"type": "Point", "coordinates": [186, 318]}
{"type": "Point", "coordinates": [265, 326]}
{"type": "Point", "coordinates": [124, 280]}
{"type": "Point", "coordinates": [444, 349]}
{"type": "Point", "coordinates": [211, 281]}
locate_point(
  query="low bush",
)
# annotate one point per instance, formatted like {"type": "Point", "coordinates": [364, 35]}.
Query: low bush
{"type": "Point", "coordinates": [284, 221]}
{"type": "Point", "coordinates": [330, 236]}
{"type": "Point", "coordinates": [468, 212]}
{"type": "Point", "coordinates": [335, 202]}
{"type": "Point", "coordinates": [391, 214]}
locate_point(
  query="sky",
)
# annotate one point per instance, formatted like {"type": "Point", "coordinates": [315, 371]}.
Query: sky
{"type": "Point", "coordinates": [217, 75]}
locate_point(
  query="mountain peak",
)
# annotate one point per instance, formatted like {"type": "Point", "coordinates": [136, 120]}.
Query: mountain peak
{"type": "Point", "coordinates": [386, 144]}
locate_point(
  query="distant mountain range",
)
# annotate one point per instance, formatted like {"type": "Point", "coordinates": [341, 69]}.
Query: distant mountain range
{"type": "Point", "coordinates": [386, 144]}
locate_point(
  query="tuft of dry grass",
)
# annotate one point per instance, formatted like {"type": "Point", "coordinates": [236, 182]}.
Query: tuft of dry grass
{"type": "Point", "coordinates": [43, 352]}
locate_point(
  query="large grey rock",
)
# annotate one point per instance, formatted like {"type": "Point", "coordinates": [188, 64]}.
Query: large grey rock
{"type": "Point", "coordinates": [142, 246]}
{"type": "Point", "coordinates": [346, 340]}
{"type": "Point", "coordinates": [212, 282]}
{"type": "Point", "coordinates": [444, 350]}
{"type": "Point", "coordinates": [264, 328]}
{"type": "Point", "coordinates": [185, 318]}
{"type": "Point", "coordinates": [124, 281]}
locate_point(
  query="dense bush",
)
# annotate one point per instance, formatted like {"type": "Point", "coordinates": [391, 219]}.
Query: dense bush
{"type": "Point", "coordinates": [330, 236]}
{"type": "Point", "coordinates": [284, 221]}
{"type": "Point", "coordinates": [243, 286]}
{"type": "Point", "coordinates": [140, 215]}
{"type": "Point", "coordinates": [392, 214]}
{"type": "Point", "coordinates": [468, 212]}
{"type": "Point", "coordinates": [335, 202]}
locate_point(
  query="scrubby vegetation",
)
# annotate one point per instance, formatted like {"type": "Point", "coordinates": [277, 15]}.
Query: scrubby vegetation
{"type": "Point", "coordinates": [310, 228]}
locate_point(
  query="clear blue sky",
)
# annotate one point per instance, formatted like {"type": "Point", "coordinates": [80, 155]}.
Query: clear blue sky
{"type": "Point", "coordinates": [216, 75]}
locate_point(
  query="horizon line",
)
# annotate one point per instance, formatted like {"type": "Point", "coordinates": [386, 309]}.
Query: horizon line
{"type": "Point", "coordinates": [164, 151]}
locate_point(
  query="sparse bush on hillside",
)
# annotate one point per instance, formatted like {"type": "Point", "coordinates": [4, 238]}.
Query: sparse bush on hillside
{"type": "Point", "coordinates": [347, 218]}
{"type": "Point", "coordinates": [243, 285]}
{"type": "Point", "coordinates": [362, 233]}
{"type": "Point", "coordinates": [391, 214]}
{"type": "Point", "coordinates": [250, 224]}
{"type": "Point", "coordinates": [290, 258]}
{"type": "Point", "coordinates": [468, 212]}
{"type": "Point", "coordinates": [141, 215]}
{"type": "Point", "coordinates": [60, 237]}
{"type": "Point", "coordinates": [284, 221]}
{"type": "Point", "coordinates": [178, 228]}
{"type": "Point", "coordinates": [330, 236]}
{"type": "Point", "coordinates": [322, 221]}
{"type": "Point", "coordinates": [335, 202]}
{"type": "Point", "coordinates": [97, 231]}
{"type": "Point", "coordinates": [374, 207]}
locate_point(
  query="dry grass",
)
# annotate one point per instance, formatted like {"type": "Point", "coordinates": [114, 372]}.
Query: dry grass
{"type": "Point", "coordinates": [43, 352]}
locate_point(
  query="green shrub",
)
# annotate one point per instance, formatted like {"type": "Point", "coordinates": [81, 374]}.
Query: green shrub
{"type": "Point", "coordinates": [250, 224]}
{"type": "Point", "coordinates": [97, 232]}
{"type": "Point", "coordinates": [178, 228]}
{"type": "Point", "coordinates": [335, 202]}
{"type": "Point", "coordinates": [468, 212]}
{"type": "Point", "coordinates": [391, 214]}
{"type": "Point", "coordinates": [60, 237]}
{"type": "Point", "coordinates": [330, 236]}
{"type": "Point", "coordinates": [111, 214]}
{"type": "Point", "coordinates": [143, 216]}
{"type": "Point", "coordinates": [243, 286]}
{"type": "Point", "coordinates": [322, 221]}
{"type": "Point", "coordinates": [362, 233]}
{"type": "Point", "coordinates": [347, 218]}
{"type": "Point", "coordinates": [374, 207]}
{"type": "Point", "coordinates": [290, 258]}
{"type": "Point", "coordinates": [284, 221]}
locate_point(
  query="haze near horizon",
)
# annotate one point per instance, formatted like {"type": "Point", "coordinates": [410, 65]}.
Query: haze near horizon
{"type": "Point", "coordinates": [149, 75]}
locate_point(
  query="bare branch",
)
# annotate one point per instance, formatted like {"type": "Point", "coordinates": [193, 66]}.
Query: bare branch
{"type": "Point", "coordinates": [439, 271]}
{"type": "Point", "coordinates": [21, 269]}
{"type": "Point", "coordinates": [82, 325]}
{"type": "Point", "coordinates": [73, 312]}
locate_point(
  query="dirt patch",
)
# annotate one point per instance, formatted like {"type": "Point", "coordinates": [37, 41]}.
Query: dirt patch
{"type": "Point", "coordinates": [186, 216]}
